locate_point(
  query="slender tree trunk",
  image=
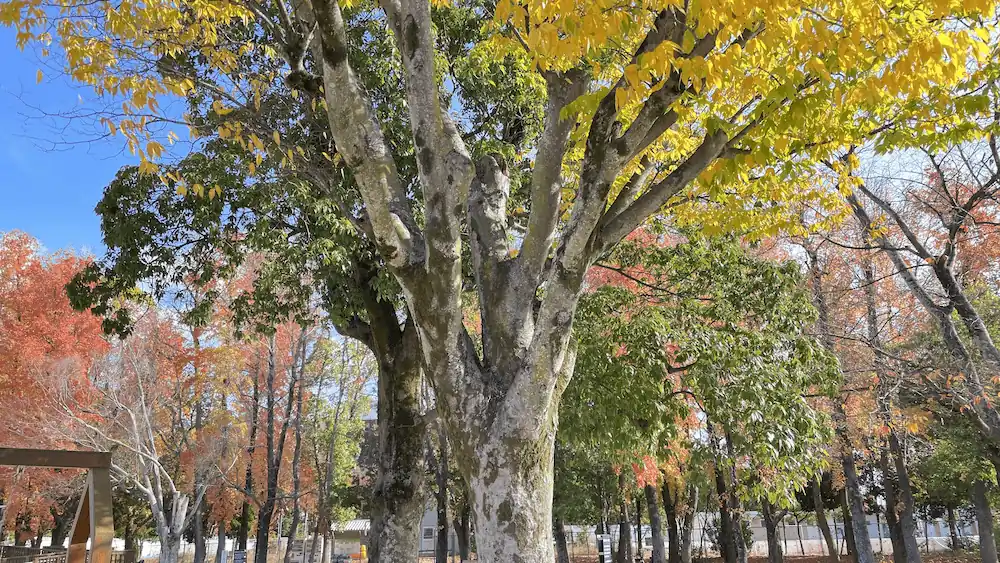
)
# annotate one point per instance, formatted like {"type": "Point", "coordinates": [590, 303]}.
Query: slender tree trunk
{"type": "Point", "coordinates": [624, 525]}
{"type": "Point", "coordinates": [658, 554]}
{"type": "Point", "coordinates": [640, 552]}
{"type": "Point", "coordinates": [798, 533]}
{"type": "Point", "coordinates": [849, 538]}
{"type": "Point", "coordinates": [775, 553]}
{"type": "Point", "coordinates": [562, 549]}
{"type": "Point", "coordinates": [688, 521]}
{"type": "Point", "coordinates": [463, 530]}
{"type": "Point", "coordinates": [891, 515]}
{"type": "Point", "coordinates": [198, 527]}
{"type": "Point", "coordinates": [727, 533]}
{"type": "Point", "coordinates": [907, 522]}
{"type": "Point", "coordinates": [821, 521]}
{"type": "Point", "coordinates": [220, 548]}
{"type": "Point", "coordinates": [956, 543]}
{"type": "Point", "coordinates": [854, 510]}
{"type": "Point", "coordinates": [296, 481]}
{"type": "Point", "coordinates": [984, 520]}
{"type": "Point", "coordinates": [276, 441]}
{"type": "Point", "coordinates": [736, 505]}
{"type": "Point", "coordinates": [673, 527]}
{"type": "Point", "coordinates": [244, 532]}
{"type": "Point", "coordinates": [878, 528]}
{"type": "Point", "coordinates": [314, 543]}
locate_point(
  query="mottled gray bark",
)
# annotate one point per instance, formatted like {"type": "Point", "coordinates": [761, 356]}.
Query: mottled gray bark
{"type": "Point", "coordinates": [500, 401]}
{"type": "Point", "coordinates": [399, 492]}
{"type": "Point", "coordinates": [984, 521]}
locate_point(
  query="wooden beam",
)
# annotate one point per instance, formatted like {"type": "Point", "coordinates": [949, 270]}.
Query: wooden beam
{"type": "Point", "coordinates": [54, 458]}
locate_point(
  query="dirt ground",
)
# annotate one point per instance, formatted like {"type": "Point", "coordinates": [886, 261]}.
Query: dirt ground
{"type": "Point", "coordinates": [940, 557]}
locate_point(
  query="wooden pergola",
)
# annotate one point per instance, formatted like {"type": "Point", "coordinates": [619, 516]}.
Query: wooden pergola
{"type": "Point", "coordinates": [94, 518]}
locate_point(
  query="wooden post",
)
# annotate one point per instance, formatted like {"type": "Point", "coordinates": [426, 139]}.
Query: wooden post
{"type": "Point", "coordinates": [102, 523]}
{"type": "Point", "coordinates": [77, 552]}
{"type": "Point", "coordinates": [94, 517]}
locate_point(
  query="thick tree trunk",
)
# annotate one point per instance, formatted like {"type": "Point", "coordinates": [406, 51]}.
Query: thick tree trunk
{"type": "Point", "coordinates": [821, 522]}
{"type": "Point", "coordinates": [220, 547]}
{"type": "Point", "coordinates": [775, 554]}
{"type": "Point", "coordinates": [398, 496]}
{"type": "Point", "coordinates": [562, 548]}
{"type": "Point", "coordinates": [673, 526]}
{"type": "Point", "coordinates": [170, 550]}
{"type": "Point", "coordinates": [658, 554]}
{"type": "Point", "coordinates": [984, 520]}
{"type": "Point", "coordinates": [907, 522]}
{"type": "Point", "coordinates": [956, 543]}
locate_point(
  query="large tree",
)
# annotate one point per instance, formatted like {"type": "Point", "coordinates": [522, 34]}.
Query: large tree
{"type": "Point", "coordinates": [686, 105]}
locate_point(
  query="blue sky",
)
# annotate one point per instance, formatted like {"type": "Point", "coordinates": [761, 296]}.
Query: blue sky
{"type": "Point", "coordinates": [52, 171]}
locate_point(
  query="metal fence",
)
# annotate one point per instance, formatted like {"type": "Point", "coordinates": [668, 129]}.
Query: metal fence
{"type": "Point", "coordinates": [21, 554]}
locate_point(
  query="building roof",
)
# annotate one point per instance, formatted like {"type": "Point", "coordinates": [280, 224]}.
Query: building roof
{"type": "Point", "coordinates": [362, 525]}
